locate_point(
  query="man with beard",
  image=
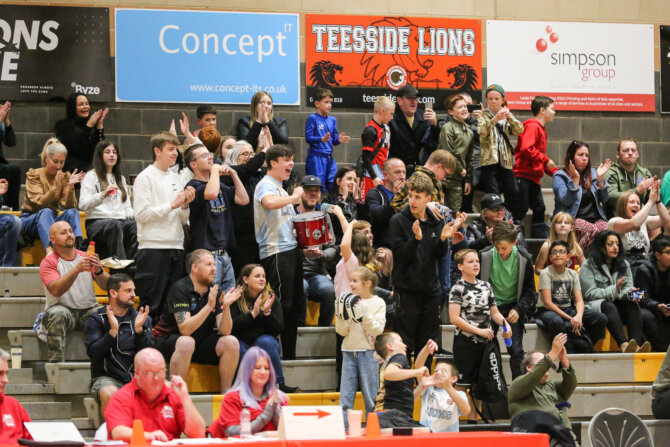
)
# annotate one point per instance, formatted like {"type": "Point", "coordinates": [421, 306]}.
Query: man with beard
{"type": "Point", "coordinates": [194, 310]}
{"type": "Point", "coordinates": [113, 335]}
{"type": "Point", "coordinates": [68, 274]}
{"type": "Point", "coordinates": [626, 174]}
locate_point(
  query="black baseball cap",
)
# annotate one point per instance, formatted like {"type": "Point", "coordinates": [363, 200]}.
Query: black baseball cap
{"type": "Point", "coordinates": [490, 201]}
{"type": "Point", "coordinates": [311, 180]}
{"type": "Point", "coordinates": [408, 91]}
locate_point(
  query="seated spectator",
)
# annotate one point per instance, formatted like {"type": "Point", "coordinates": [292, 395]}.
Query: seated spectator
{"type": "Point", "coordinates": [395, 398]}
{"type": "Point", "coordinates": [479, 232]}
{"type": "Point", "coordinates": [653, 277]}
{"type": "Point", "coordinates": [47, 189]}
{"type": "Point", "coordinates": [254, 389]}
{"type": "Point", "coordinates": [210, 211]}
{"type": "Point", "coordinates": [80, 132]}
{"type": "Point", "coordinates": [194, 311]}
{"type": "Point", "coordinates": [9, 171]}
{"type": "Point", "coordinates": [660, 390]}
{"type": "Point", "coordinates": [581, 191]}
{"type": "Point", "coordinates": [509, 270]}
{"type": "Point", "coordinates": [105, 198]}
{"type": "Point", "coordinates": [379, 199]}
{"type": "Point", "coordinates": [68, 275]}
{"type": "Point", "coordinates": [113, 335]}
{"type": "Point", "coordinates": [10, 230]}
{"type": "Point", "coordinates": [376, 139]}
{"type": "Point", "coordinates": [441, 402]}
{"type": "Point", "coordinates": [261, 127]}
{"type": "Point", "coordinates": [562, 229]}
{"type": "Point", "coordinates": [626, 175]}
{"type": "Point", "coordinates": [533, 391]}
{"type": "Point", "coordinates": [473, 310]}
{"type": "Point", "coordinates": [564, 309]}
{"type": "Point", "coordinates": [13, 414]}
{"type": "Point", "coordinates": [343, 194]}
{"type": "Point", "coordinates": [258, 319]}
{"type": "Point", "coordinates": [165, 409]}
{"type": "Point", "coordinates": [227, 143]}
{"type": "Point", "coordinates": [249, 169]}
{"type": "Point", "coordinates": [317, 262]}
{"type": "Point", "coordinates": [635, 225]}
{"type": "Point", "coordinates": [607, 284]}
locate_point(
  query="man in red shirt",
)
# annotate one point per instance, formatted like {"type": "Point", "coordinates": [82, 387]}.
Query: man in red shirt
{"type": "Point", "coordinates": [12, 413]}
{"type": "Point", "coordinates": [166, 411]}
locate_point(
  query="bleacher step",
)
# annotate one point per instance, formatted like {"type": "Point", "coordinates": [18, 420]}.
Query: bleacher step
{"type": "Point", "coordinates": [48, 411]}
{"type": "Point", "coordinates": [35, 350]}
{"type": "Point", "coordinates": [20, 375]}
{"type": "Point", "coordinates": [21, 281]}
{"type": "Point", "coordinates": [20, 311]}
{"type": "Point", "coordinates": [16, 389]}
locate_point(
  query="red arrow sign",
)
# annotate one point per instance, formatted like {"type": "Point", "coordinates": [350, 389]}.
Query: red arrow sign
{"type": "Point", "coordinates": [319, 414]}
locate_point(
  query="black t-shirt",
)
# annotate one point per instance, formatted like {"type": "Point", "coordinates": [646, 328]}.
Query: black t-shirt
{"type": "Point", "coordinates": [182, 297]}
{"type": "Point", "coordinates": [211, 220]}
{"type": "Point", "coordinates": [399, 394]}
{"type": "Point", "coordinates": [587, 207]}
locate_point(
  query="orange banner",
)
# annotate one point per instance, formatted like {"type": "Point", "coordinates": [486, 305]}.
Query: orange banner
{"type": "Point", "coordinates": [362, 57]}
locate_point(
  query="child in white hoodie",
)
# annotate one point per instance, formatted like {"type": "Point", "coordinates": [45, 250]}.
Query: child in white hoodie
{"type": "Point", "coordinates": [360, 317]}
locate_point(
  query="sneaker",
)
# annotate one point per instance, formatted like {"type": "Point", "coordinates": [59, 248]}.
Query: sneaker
{"type": "Point", "coordinates": [629, 346]}
{"type": "Point", "coordinates": [646, 347]}
{"type": "Point", "coordinates": [289, 389]}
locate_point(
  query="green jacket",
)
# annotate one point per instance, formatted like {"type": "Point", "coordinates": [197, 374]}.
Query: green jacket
{"type": "Point", "coordinates": [599, 284]}
{"type": "Point", "coordinates": [620, 180]}
{"type": "Point", "coordinates": [662, 381]}
{"type": "Point", "coordinates": [458, 138]}
{"type": "Point", "coordinates": [527, 392]}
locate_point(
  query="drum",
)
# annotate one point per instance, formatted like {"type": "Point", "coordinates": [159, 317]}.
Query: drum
{"type": "Point", "coordinates": [311, 229]}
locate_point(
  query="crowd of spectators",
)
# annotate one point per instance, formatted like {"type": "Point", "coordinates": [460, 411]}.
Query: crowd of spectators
{"type": "Point", "coordinates": [222, 279]}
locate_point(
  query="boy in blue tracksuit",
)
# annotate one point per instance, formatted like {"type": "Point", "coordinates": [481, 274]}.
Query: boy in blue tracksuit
{"type": "Point", "coordinates": [321, 134]}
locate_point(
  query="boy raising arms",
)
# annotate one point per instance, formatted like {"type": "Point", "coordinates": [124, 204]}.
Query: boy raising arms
{"type": "Point", "coordinates": [376, 137]}
{"type": "Point", "coordinates": [321, 135]}
{"type": "Point", "coordinates": [531, 163]}
{"type": "Point", "coordinates": [472, 309]}
{"type": "Point", "coordinates": [395, 399]}
{"type": "Point", "coordinates": [441, 403]}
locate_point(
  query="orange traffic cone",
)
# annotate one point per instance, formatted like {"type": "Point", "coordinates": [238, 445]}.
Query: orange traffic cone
{"type": "Point", "coordinates": [372, 429]}
{"type": "Point", "coordinates": [137, 438]}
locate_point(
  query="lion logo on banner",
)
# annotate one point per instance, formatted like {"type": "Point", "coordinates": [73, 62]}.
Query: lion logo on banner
{"type": "Point", "coordinates": [465, 77]}
{"type": "Point", "coordinates": [323, 74]}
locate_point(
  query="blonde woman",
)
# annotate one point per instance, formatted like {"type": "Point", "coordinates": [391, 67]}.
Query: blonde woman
{"type": "Point", "coordinates": [562, 229]}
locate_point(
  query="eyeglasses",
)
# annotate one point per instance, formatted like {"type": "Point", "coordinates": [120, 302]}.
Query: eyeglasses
{"type": "Point", "coordinates": [155, 374]}
{"type": "Point", "coordinates": [204, 156]}
{"type": "Point", "coordinates": [497, 209]}
{"type": "Point", "coordinates": [246, 154]}
{"type": "Point", "coordinates": [558, 252]}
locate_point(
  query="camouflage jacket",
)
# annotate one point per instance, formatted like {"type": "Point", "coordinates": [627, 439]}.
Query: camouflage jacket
{"type": "Point", "coordinates": [488, 145]}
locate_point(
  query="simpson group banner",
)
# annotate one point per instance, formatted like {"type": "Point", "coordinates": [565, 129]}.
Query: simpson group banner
{"type": "Point", "coordinates": [362, 57]}
{"type": "Point", "coordinates": [665, 68]}
{"type": "Point", "coordinates": [48, 52]}
{"type": "Point", "coordinates": [206, 56]}
{"type": "Point", "coordinates": [583, 66]}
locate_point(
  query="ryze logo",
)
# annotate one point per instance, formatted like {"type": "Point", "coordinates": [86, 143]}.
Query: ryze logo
{"type": "Point", "coordinates": [84, 89]}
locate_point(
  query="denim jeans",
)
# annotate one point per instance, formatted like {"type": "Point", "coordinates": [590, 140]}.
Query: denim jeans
{"type": "Point", "coordinates": [358, 367]}
{"type": "Point", "coordinates": [320, 289]}
{"type": "Point", "coordinates": [270, 345]}
{"type": "Point", "coordinates": [38, 224]}
{"type": "Point", "coordinates": [224, 276]}
{"type": "Point", "coordinates": [10, 229]}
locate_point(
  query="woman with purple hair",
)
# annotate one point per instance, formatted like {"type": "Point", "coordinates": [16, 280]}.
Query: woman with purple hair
{"type": "Point", "coordinates": [255, 388]}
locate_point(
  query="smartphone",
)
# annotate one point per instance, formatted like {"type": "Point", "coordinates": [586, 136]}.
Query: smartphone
{"type": "Point", "coordinates": [429, 105]}
{"type": "Point", "coordinates": [473, 107]}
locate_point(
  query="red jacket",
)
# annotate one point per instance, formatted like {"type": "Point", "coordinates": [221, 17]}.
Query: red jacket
{"type": "Point", "coordinates": [530, 153]}
{"type": "Point", "coordinates": [11, 424]}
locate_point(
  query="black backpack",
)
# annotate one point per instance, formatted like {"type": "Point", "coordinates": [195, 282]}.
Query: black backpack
{"type": "Point", "coordinates": [491, 385]}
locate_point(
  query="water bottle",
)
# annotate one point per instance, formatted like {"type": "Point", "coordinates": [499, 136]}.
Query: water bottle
{"type": "Point", "coordinates": [508, 340]}
{"type": "Point", "coordinates": [245, 423]}
{"type": "Point", "coordinates": [7, 293]}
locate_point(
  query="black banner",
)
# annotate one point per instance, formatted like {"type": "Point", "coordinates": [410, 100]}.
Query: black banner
{"type": "Point", "coordinates": [48, 52]}
{"type": "Point", "coordinates": [665, 68]}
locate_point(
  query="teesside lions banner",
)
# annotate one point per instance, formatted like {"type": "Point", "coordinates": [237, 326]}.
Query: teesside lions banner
{"type": "Point", "coordinates": [583, 66]}
{"type": "Point", "coordinates": [362, 57]}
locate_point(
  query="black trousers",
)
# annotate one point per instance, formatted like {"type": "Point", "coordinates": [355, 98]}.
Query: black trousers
{"type": "Point", "coordinates": [529, 195]}
{"type": "Point", "coordinates": [660, 405]}
{"type": "Point", "coordinates": [498, 180]}
{"type": "Point", "coordinates": [284, 273]}
{"type": "Point", "coordinates": [621, 311]}
{"type": "Point", "coordinates": [657, 329]}
{"type": "Point", "coordinates": [244, 252]}
{"type": "Point", "coordinates": [157, 270]}
{"type": "Point", "coordinates": [417, 319]}
{"type": "Point", "coordinates": [594, 323]}
{"type": "Point", "coordinates": [12, 173]}
{"type": "Point", "coordinates": [113, 237]}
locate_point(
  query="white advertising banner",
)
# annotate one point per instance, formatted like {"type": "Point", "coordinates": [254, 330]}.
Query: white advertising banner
{"type": "Point", "coordinates": [582, 66]}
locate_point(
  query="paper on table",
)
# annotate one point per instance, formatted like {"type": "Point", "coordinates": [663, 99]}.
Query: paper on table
{"type": "Point", "coordinates": [116, 263]}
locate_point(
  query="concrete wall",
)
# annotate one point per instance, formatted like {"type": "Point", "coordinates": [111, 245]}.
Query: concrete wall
{"type": "Point", "coordinates": [131, 124]}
